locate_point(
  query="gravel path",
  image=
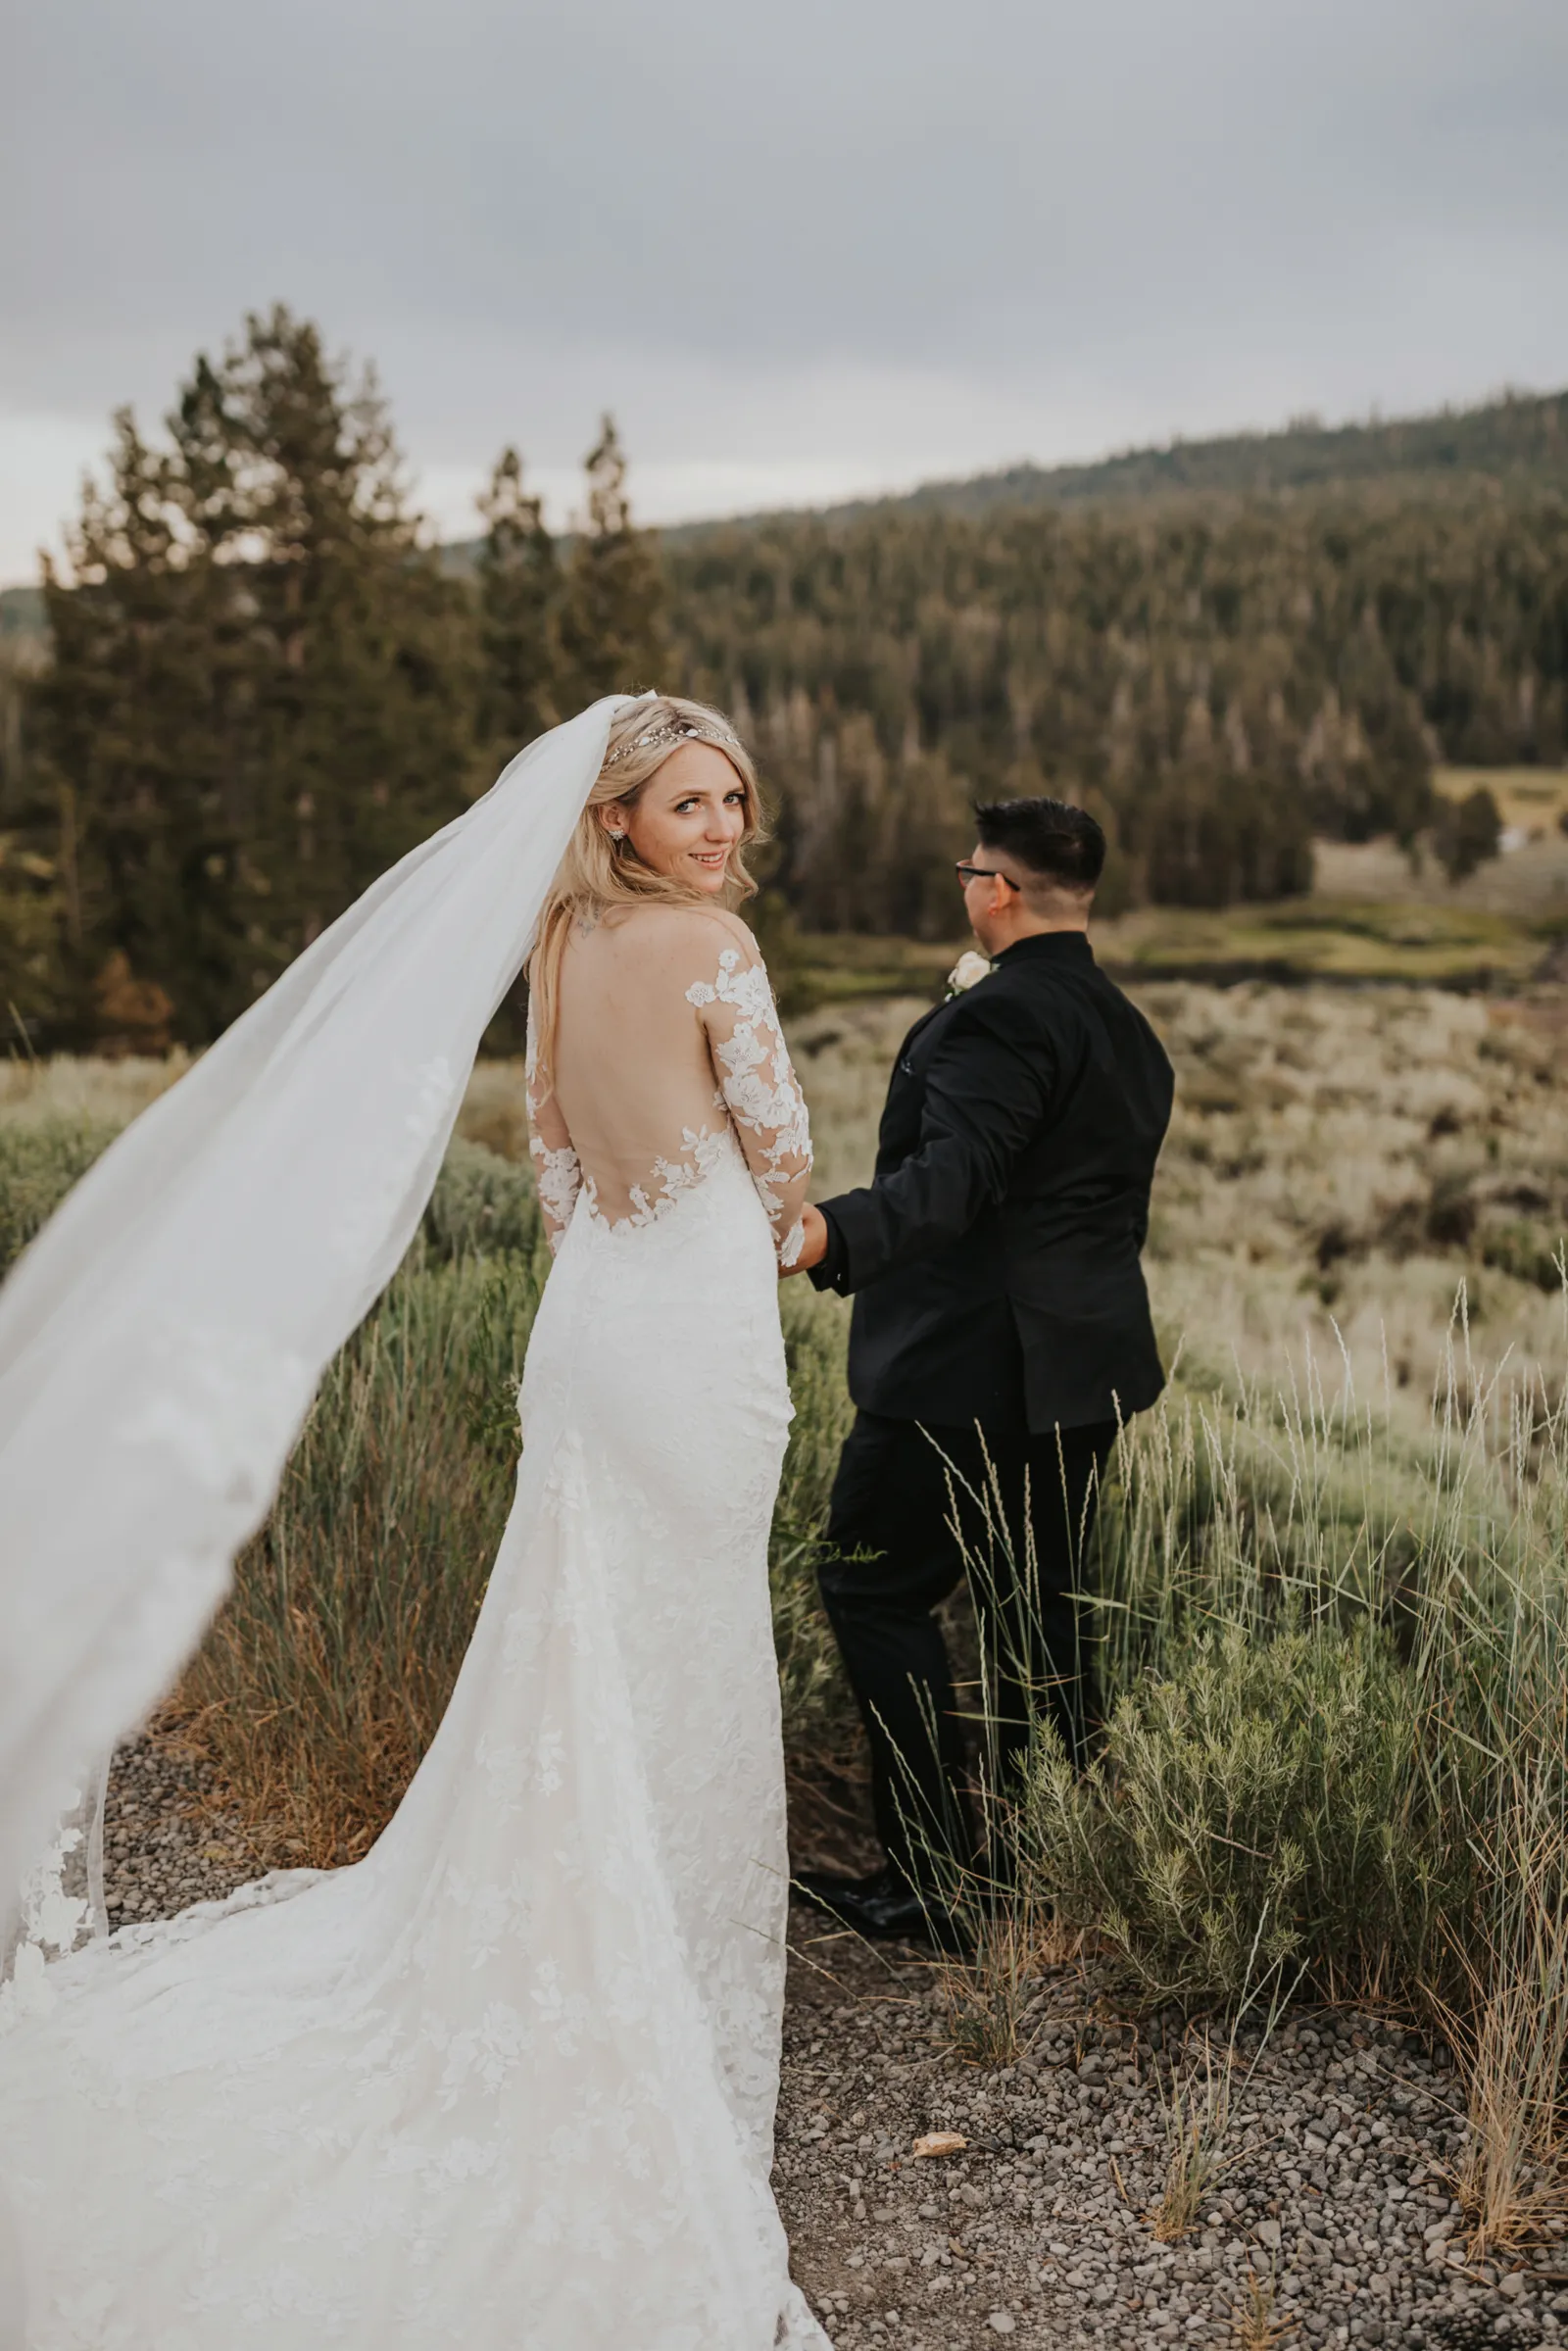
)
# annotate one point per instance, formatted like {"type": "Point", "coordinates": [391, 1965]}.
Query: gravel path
{"type": "Point", "coordinates": [166, 1840]}
{"type": "Point", "coordinates": [1328, 2222]}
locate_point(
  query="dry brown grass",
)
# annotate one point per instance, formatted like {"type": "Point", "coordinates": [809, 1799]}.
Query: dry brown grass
{"type": "Point", "coordinates": [1197, 2120]}
{"type": "Point", "coordinates": [320, 1684]}
{"type": "Point", "coordinates": [1340, 1161]}
{"type": "Point", "coordinates": [1259, 2325]}
{"type": "Point", "coordinates": [84, 1086]}
{"type": "Point", "coordinates": [991, 2012]}
{"type": "Point", "coordinates": [1511, 2042]}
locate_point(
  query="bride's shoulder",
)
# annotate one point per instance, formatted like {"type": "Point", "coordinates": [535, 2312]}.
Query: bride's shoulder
{"type": "Point", "coordinates": [694, 941]}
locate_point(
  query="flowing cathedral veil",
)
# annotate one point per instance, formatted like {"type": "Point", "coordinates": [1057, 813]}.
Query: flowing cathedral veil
{"type": "Point", "coordinates": [162, 1340]}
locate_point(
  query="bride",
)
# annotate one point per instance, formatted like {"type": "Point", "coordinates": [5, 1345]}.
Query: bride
{"type": "Point", "coordinates": [508, 2080]}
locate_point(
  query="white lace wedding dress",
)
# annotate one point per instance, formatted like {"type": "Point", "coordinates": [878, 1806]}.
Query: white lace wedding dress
{"type": "Point", "coordinates": [507, 2083]}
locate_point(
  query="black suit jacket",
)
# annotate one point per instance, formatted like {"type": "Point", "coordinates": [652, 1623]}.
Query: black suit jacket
{"type": "Point", "coordinates": [995, 1258]}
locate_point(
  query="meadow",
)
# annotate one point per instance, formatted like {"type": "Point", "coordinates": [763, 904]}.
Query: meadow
{"type": "Point", "coordinates": [1330, 1570]}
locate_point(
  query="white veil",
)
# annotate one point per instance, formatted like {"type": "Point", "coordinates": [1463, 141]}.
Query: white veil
{"type": "Point", "coordinates": [161, 1340]}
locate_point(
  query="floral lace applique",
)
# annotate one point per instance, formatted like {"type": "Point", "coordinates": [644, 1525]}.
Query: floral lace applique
{"type": "Point", "coordinates": [668, 1180]}
{"type": "Point", "coordinates": [559, 1176]}
{"type": "Point", "coordinates": [557, 1169]}
{"type": "Point", "coordinates": [761, 1091]}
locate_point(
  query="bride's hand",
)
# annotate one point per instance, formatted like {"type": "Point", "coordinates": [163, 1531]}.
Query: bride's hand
{"type": "Point", "coordinates": [813, 1243]}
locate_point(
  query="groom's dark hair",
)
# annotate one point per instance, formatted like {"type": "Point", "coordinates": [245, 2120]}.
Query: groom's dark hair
{"type": "Point", "coordinates": [1050, 838]}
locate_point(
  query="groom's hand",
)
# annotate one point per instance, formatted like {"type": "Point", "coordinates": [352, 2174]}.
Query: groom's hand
{"type": "Point", "coordinates": [813, 1241]}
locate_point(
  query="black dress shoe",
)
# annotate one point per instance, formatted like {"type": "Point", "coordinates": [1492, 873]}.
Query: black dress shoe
{"type": "Point", "coordinates": [885, 1907]}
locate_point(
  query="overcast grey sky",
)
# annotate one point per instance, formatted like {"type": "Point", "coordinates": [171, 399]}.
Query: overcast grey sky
{"type": "Point", "coordinates": [802, 248]}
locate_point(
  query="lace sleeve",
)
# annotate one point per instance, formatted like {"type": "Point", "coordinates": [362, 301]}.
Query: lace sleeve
{"type": "Point", "coordinates": [759, 1089]}
{"type": "Point", "coordinates": [558, 1173]}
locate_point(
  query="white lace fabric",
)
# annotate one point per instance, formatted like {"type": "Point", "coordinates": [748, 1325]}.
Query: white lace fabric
{"type": "Point", "coordinates": [669, 1044]}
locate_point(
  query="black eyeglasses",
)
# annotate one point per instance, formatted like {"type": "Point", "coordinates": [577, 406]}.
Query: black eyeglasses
{"type": "Point", "coordinates": [983, 873]}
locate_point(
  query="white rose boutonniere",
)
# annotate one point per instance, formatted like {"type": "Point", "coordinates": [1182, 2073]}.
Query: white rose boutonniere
{"type": "Point", "coordinates": [968, 968]}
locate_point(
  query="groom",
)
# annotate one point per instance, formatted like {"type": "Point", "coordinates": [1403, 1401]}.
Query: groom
{"type": "Point", "coordinates": [1001, 1327]}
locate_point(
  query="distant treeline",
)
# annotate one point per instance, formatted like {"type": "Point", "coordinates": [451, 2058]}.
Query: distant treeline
{"type": "Point", "coordinates": [1520, 439]}
{"type": "Point", "coordinates": [263, 686]}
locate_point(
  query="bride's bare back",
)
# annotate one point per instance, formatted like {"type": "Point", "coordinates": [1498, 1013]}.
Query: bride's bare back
{"type": "Point", "coordinates": [667, 1038]}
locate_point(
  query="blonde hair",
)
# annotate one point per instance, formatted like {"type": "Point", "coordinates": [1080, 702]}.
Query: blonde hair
{"type": "Point", "coordinates": [600, 875]}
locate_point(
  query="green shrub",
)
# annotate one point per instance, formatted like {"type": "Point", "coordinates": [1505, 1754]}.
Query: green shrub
{"type": "Point", "coordinates": [1257, 1812]}
{"type": "Point", "coordinates": [1526, 1251]}
{"type": "Point", "coordinates": [482, 1204]}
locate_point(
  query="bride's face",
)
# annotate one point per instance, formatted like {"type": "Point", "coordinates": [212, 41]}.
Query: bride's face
{"type": "Point", "coordinates": [688, 819]}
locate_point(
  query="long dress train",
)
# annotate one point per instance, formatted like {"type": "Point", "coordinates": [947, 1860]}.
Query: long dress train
{"type": "Point", "coordinates": [509, 2082]}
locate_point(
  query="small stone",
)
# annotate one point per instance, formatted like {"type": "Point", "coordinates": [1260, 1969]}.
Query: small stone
{"type": "Point", "coordinates": [1003, 2322]}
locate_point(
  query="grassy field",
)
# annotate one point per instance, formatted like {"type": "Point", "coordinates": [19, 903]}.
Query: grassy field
{"type": "Point", "coordinates": [1462, 942]}
{"type": "Point", "coordinates": [1531, 800]}
{"type": "Point", "coordinates": [1332, 1590]}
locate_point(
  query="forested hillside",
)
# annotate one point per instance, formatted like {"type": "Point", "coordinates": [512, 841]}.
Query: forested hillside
{"type": "Point", "coordinates": [264, 683]}
{"type": "Point", "coordinates": [1220, 678]}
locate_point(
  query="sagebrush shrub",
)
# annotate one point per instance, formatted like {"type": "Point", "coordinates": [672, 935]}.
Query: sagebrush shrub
{"type": "Point", "coordinates": [1257, 1813]}
{"type": "Point", "coordinates": [482, 1204]}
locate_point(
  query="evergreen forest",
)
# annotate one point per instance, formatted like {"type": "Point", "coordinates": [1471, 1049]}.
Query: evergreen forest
{"type": "Point", "coordinates": [254, 680]}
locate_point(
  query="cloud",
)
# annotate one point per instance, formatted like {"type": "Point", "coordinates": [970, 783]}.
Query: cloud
{"type": "Point", "coordinates": [822, 247]}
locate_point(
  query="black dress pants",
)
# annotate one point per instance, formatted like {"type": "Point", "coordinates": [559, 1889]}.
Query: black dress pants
{"type": "Point", "coordinates": [1025, 1504]}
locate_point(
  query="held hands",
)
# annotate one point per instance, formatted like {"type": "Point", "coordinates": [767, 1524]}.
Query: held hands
{"type": "Point", "coordinates": [813, 1243]}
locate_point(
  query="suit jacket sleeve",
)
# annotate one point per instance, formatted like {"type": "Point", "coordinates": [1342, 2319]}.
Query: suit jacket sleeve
{"type": "Point", "coordinates": [984, 1103]}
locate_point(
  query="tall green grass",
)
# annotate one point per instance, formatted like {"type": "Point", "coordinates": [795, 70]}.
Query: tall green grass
{"type": "Point", "coordinates": [41, 1159]}
{"type": "Point", "coordinates": [817, 1711]}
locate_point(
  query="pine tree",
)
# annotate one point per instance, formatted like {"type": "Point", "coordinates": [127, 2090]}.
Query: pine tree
{"type": "Point", "coordinates": [357, 661]}
{"type": "Point", "coordinates": [263, 684]}
{"type": "Point", "coordinates": [519, 589]}
{"type": "Point", "coordinates": [611, 622]}
{"type": "Point", "coordinates": [130, 736]}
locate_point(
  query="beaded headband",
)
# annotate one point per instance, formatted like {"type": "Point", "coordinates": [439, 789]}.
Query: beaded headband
{"type": "Point", "coordinates": [673, 731]}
